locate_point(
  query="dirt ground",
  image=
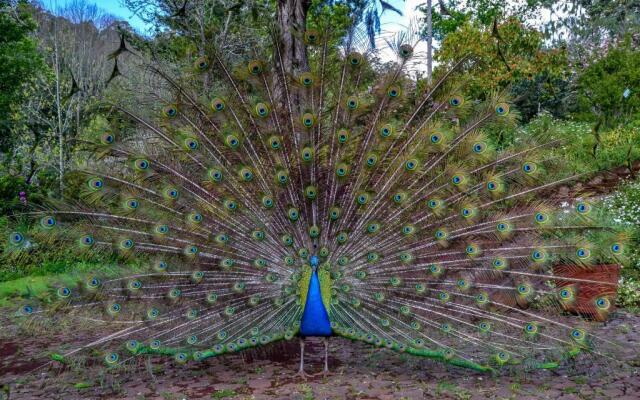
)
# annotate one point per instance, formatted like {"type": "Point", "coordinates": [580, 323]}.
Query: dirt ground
{"type": "Point", "coordinates": [359, 372]}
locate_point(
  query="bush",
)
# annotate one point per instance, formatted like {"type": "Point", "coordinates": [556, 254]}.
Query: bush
{"type": "Point", "coordinates": [582, 148]}
{"type": "Point", "coordinates": [625, 208]}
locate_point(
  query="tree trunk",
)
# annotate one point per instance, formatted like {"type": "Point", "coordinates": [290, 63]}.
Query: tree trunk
{"type": "Point", "coordinates": [429, 41]}
{"type": "Point", "coordinates": [58, 101]}
{"type": "Point", "coordinates": [292, 18]}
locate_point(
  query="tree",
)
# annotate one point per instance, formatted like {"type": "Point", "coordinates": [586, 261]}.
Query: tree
{"type": "Point", "coordinates": [75, 43]}
{"type": "Point", "coordinates": [507, 54]}
{"type": "Point", "coordinates": [19, 64]}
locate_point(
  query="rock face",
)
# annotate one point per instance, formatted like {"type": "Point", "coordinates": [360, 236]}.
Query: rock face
{"type": "Point", "coordinates": [358, 372]}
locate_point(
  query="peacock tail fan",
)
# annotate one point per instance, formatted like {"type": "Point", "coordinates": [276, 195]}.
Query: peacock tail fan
{"type": "Point", "coordinates": [223, 178]}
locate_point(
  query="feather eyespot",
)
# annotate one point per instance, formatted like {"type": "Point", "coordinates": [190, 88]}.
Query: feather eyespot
{"type": "Point", "coordinates": [529, 168]}
{"type": "Point", "coordinates": [311, 36]}
{"type": "Point", "coordinates": [479, 147]}
{"type": "Point", "coordinates": [255, 67]}
{"type": "Point", "coordinates": [583, 208]}
{"type": "Point", "coordinates": [502, 109]}
{"type": "Point", "coordinates": [386, 131]}
{"type": "Point", "coordinates": [406, 51]}
{"type": "Point", "coordinates": [48, 222]}
{"type": "Point", "coordinates": [201, 64]}
{"type": "Point", "coordinates": [141, 164]}
{"type": "Point", "coordinates": [308, 120]}
{"type": "Point", "coordinates": [191, 144]}
{"type": "Point", "coordinates": [217, 104]}
{"type": "Point", "coordinates": [306, 79]}
{"type": "Point", "coordinates": [363, 198]}
{"type": "Point", "coordinates": [63, 292]}
{"type": "Point", "coordinates": [411, 164]}
{"type": "Point", "coordinates": [111, 358]}
{"type": "Point", "coordinates": [86, 241]}
{"type": "Point", "coordinates": [95, 184]}
{"type": "Point", "coordinates": [170, 111]}
{"type": "Point", "coordinates": [602, 303]}
{"type": "Point", "coordinates": [372, 159]}
{"type": "Point", "coordinates": [394, 91]}
{"type": "Point", "coordinates": [107, 138]}
{"type": "Point", "coordinates": [355, 59]}
{"type": "Point", "coordinates": [311, 192]}
{"type": "Point", "coordinates": [262, 110]}
{"type": "Point", "coordinates": [171, 193]}
{"type": "Point", "coordinates": [246, 174]}
{"type": "Point", "coordinates": [334, 213]}
{"type": "Point", "coordinates": [293, 214]}
{"type": "Point", "coordinates": [342, 170]}
{"type": "Point", "coordinates": [352, 103]}
{"type": "Point", "coordinates": [232, 141]}
{"type": "Point", "coordinates": [456, 101]}
{"type": "Point", "coordinates": [342, 237]}
{"type": "Point", "coordinates": [616, 248]}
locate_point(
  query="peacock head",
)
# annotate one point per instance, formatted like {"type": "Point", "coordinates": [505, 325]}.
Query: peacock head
{"type": "Point", "coordinates": [314, 260]}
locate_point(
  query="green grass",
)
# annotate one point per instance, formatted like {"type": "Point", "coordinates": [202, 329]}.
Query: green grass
{"type": "Point", "coordinates": [223, 394]}
{"type": "Point", "coordinates": [38, 286]}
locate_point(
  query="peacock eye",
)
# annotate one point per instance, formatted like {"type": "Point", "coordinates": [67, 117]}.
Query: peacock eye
{"type": "Point", "coordinates": [262, 110]}
{"type": "Point", "coordinates": [191, 143]}
{"type": "Point", "coordinates": [479, 148]}
{"type": "Point", "coordinates": [406, 51]}
{"type": "Point", "coordinates": [411, 165]}
{"type": "Point", "coordinates": [201, 63]}
{"type": "Point", "coordinates": [355, 59]}
{"type": "Point", "coordinates": [254, 67]}
{"type": "Point", "coordinates": [217, 104]}
{"type": "Point", "coordinates": [372, 160]}
{"type": "Point", "coordinates": [456, 101]}
{"type": "Point", "coordinates": [141, 164]}
{"type": "Point", "coordinates": [529, 167]}
{"type": "Point", "coordinates": [48, 222]}
{"type": "Point", "coordinates": [311, 36]}
{"type": "Point", "coordinates": [385, 131]}
{"type": "Point", "coordinates": [107, 138]}
{"type": "Point", "coordinates": [393, 91]}
{"type": "Point", "coordinates": [502, 109]}
{"type": "Point", "coordinates": [170, 111]}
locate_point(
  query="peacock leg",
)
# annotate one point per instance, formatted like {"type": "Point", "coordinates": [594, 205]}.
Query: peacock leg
{"type": "Point", "coordinates": [326, 356]}
{"type": "Point", "coordinates": [301, 372]}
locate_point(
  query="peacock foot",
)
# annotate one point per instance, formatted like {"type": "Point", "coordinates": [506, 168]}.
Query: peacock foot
{"type": "Point", "coordinates": [303, 375]}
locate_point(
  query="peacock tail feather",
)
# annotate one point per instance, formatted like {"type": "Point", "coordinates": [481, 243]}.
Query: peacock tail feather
{"type": "Point", "coordinates": [223, 178]}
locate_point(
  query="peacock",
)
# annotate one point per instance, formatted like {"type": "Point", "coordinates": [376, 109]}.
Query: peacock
{"type": "Point", "coordinates": [261, 203]}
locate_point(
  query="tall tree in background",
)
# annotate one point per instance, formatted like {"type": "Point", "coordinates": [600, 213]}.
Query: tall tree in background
{"type": "Point", "coordinates": [75, 42]}
{"type": "Point", "coordinates": [19, 64]}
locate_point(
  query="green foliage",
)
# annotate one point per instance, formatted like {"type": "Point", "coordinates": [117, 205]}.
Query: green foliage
{"type": "Point", "coordinates": [512, 54]}
{"type": "Point", "coordinates": [629, 293]}
{"type": "Point", "coordinates": [448, 16]}
{"type": "Point", "coordinates": [624, 205]}
{"type": "Point", "coordinates": [19, 62]}
{"type": "Point", "coordinates": [609, 89]}
{"type": "Point", "coordinates": [584, 150]}
{"type": "Point", "coordinates": [37, 259]}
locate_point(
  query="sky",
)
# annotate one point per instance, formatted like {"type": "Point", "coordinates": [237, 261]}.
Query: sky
{"type": "Point", "coordinates": [390, 21]}
{"type": "Point", "coordinates": [113, 7]}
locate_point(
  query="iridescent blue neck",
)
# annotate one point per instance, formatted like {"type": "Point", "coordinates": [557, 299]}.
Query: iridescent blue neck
{"type": "Point", "coordinates": [315, 319]}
